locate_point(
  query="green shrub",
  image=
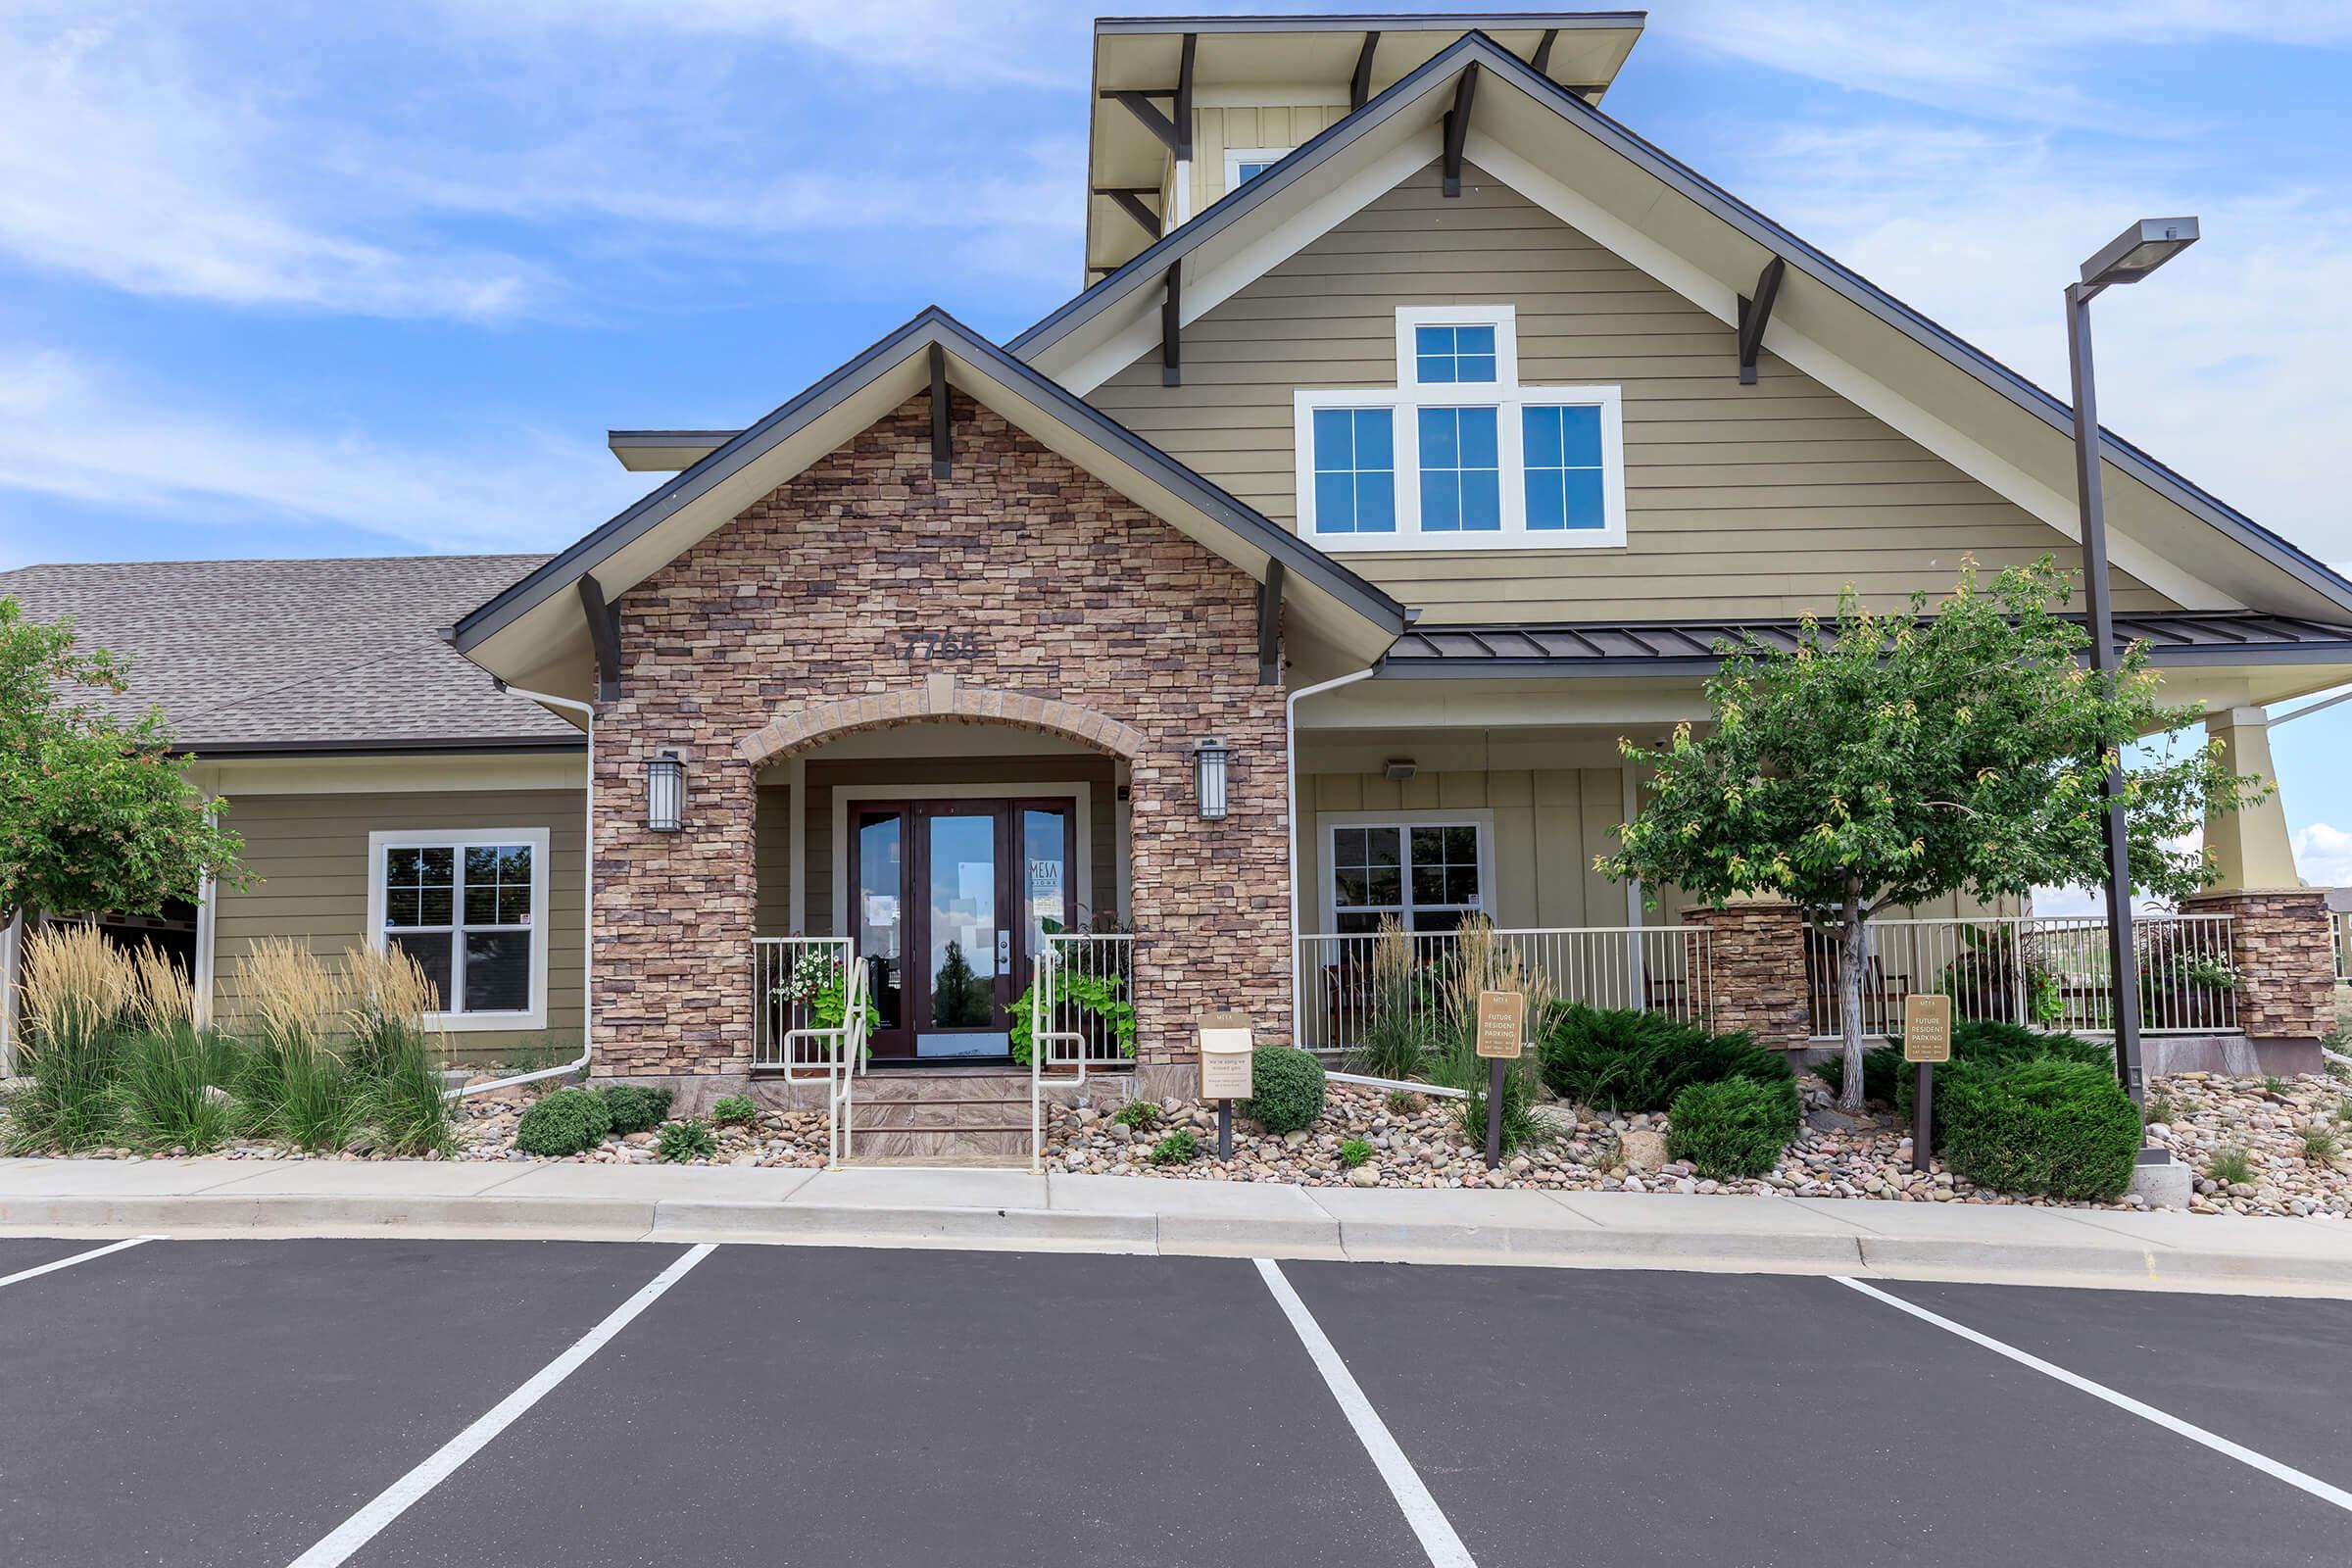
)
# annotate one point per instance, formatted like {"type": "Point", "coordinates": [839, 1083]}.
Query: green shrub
{"type": "Point", "coordinates": [2065, 1128]}
{"type": "Point", "coordinates": [563, 1122]}
{"type": "Point", "coordinates": [2230, 1166]}
{"type": "Point", "coordinates": [1462, 1067]}
{"type": "Point", "coordinates": [1177, 1148]}
{"type": "Point", "coordinates": [405, 1101]}
{"type": "Point", "coordinates": [319, 1101]}
{"type": "Point", "coordinates": [1354, 1152]}
{"type": "Point", "coordinates": [1286, 1088]}
{"type": "Point", "coordinates": [635, 1107]}
{"type": "Point", "coordinates": [1617, 1059]}
{"type": "Point", "coordinates": [1733, 1127]}
{"type": "Point", "coordinates": [162, 1095]}
{"type": "Point", "coordinates": [2320, 1145]}
{"type": "Point", "coordinates": [1139, 1115]}
{"type": "Point", "coordinates": [684, 1141]}
{"type": "Point", "coordinates": [728, 1109]}
{"type": "Point", "coordinates": [1883, 1072]}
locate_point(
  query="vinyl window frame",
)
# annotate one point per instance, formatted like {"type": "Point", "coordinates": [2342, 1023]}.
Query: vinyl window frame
{"type": "Point", "coordinates": [1509, 397]}
{"type": "Point", "coordinates": [1404, 820]}
{"type": "Point", "coordinates": [458, 1020]}
{"type": "Point", "coordinates": [1235, 157]}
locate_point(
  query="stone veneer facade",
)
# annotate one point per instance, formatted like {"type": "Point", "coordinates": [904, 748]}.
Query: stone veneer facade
{"type": "Point", "coordinates": [1756, 970]}
{"type": "Point", "coordinates": [2284, 949]}
{"type": "Point", "coordinates": [1085, 615]}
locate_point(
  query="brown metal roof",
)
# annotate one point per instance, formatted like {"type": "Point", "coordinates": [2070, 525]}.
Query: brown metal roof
{"type": "Point", "coordinates": [1675, 647]}
{"type": "Point", "coordinates": [297, 654]}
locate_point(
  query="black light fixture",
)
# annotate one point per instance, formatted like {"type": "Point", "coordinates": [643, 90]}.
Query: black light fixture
{"type": "Point", "coordinates": [1208, 776]}
{"type": "Point", "coordinates": [665, 792]}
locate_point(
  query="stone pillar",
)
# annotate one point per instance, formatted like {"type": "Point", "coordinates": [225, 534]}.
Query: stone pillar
{"type": "Point", "coordinates": [1756, 969]}
{"type": "Point", "coordinates": [2249, 846]}
{"type": "Point", "coordinates": [2281, 946]}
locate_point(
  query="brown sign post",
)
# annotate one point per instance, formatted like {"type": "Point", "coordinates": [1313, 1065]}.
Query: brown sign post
{"type": "Point", "coordinates": [1225, 1069]}
{"type": "Point", "coordinates": [1501, 1037]}
{"type": "Point", "coordinates": [1926, 1040]}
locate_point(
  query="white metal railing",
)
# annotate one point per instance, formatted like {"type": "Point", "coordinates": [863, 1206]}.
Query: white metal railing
{"type": "Point", "coordinates": [811, 1015]}
{"type": "Point", "coordinates": [2044, 972]}
{"type": "Point", "coordinates": [1651, 968]}
{"type": "Point", "coordinates": [1080, 1016]}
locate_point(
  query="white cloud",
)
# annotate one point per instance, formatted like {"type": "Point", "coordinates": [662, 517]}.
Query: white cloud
{"type": "Point", "coordinates": [70, 431]}
{"type": "Point", "coordinates": [2324, 855]}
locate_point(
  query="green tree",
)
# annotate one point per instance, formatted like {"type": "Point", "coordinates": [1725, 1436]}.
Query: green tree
{"type": "Point", "coordinates": [1892, 759]}
{"type": "Point", "coordinates": [97, 812]}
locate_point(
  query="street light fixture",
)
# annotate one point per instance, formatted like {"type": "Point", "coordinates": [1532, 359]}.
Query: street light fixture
{"type": "Point", "coordinates": [2126, 259]}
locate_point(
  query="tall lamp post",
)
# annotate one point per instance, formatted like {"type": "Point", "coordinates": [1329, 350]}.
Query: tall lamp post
{"type": "Point", "coordinates": [2126, 259]}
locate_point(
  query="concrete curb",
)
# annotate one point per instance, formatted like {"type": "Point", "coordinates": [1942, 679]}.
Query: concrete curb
{"type": "Point", "coordinates": [1523, 1229]}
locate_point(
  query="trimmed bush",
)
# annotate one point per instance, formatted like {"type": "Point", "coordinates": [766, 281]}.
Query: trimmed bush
{"type": "Point", "coordinates": [729, 1109]}
{"type": "Point", "coordinates": [1977, 1043]}
{"type": "Point", "coordinates": [565, 1122]}
{"type": "Point", "coordinates": [1617, 1059]}
{"type": "Point", "coordinates": [1733, 1127]}
{"type": "Point", "coordinates": [635, 1107]}
{"type": "Point", "coordinates": [2065, 1128]}
{"type": "Point", "coordinates": [684, 1141]}
{"type": "Point", "coordinates": [1286, 1088]}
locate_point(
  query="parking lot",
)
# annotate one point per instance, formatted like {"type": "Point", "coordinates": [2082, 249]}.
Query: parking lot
{"type": "Point", "coordinates": [410, 1403]}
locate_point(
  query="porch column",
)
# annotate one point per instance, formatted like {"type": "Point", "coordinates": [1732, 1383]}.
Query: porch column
{"type": "Point", "coordinates": [2282, 949]}
{"type": "Point", "coordinates": [2250, 847]}
{"type": "Point", "coordinates": [1756, 968]}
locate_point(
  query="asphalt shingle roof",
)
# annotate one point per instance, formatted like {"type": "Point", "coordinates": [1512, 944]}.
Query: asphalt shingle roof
{"type": "Point", "coordinates": [341, 655]}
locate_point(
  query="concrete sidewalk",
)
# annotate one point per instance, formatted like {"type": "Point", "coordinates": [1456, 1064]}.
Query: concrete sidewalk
{"type": "Point", "coordinates": [1009, 1210]}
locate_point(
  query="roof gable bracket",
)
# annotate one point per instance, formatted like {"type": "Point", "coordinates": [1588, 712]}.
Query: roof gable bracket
{"type": "Point", "coordinates": [1755, 315]}
{"type": "Point", "coordinates": [1457, 128]}
{"type": "Point", "coordinates": [604, 635]}
{"type": "Point", "coordinates": [942, 428]}
{"type": "Point", "coordinates": [1359, 85]}
{"type": "Point", "coordinates": [1269, 625]}
{"type": "Point", "coordinates": [1540, 61]}
{"type": "Point", "coordinates": [1129, 200]}
{"type": "Point", "coordinates": [1175, 134]}
{"type": "Point", "coordinates": [1171, 328]}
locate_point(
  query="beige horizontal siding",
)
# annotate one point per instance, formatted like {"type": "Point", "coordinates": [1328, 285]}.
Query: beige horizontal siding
{"type": "Point", "coordinates": [307, 855]}
{"type": "Point", "coordinates": [1762, 500]}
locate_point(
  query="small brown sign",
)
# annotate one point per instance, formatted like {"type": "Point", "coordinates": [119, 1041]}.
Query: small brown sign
{"type": "Point", "coordinates": [1927, 1027]}
{"type": "Point", "coordinates": [1225, 1055]}
{"type": "Point", "coordinates": [1501, 1023]}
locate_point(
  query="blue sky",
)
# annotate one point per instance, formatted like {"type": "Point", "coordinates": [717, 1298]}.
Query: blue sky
{"type": "Point", "coordinates": [295, 279]}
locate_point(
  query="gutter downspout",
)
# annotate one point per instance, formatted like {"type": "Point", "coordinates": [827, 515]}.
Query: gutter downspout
{"type": "Point", "coordinates": [1290, 752]}
{"type": "Point", "coordinates": [11, 941]}
{"type": "Point", "coordinates": [587, 913]}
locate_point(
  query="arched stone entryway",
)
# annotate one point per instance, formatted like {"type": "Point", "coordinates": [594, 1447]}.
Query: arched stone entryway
{"type": "Point", "coordinates": [940, 697]}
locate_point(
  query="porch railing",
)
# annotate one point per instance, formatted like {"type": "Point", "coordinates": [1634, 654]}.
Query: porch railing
{"type": "Point", "coordinates": [798, 983]}
{"type": "Point", "coordinates": [1641, 968]}
{"type": "Point", "coordinates": [1080, 1018]}
{"type": "Point", "coordinates": [2044, 972]}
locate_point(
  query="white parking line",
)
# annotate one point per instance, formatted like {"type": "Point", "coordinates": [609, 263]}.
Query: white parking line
{"type": "Point", "coordinates": [23, 1274]}
{"type": "Point", "coordinates": [2122, 1402]}
{"type": "Point", "coordinates": [1421, 1510]}
{"type": "Point", "coordinates": [398, 1497]}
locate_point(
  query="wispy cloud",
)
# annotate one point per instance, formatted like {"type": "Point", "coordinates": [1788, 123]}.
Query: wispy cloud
{"type": "Point", "coordinates": [73, 432]}
{"type": "Point", "coordinates": [2324, 855]}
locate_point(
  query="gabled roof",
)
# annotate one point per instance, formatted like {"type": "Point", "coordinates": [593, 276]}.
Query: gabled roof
{"type": "Point", "coordinates": [538, 624]}
{"type": "Point", "coordinates": [1830, 322]}
{"type": "Point", "coordinates": [262, 655]}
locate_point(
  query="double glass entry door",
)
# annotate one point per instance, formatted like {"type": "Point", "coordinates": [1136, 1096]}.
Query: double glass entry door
{"type": "Point", "coordinates": [949, 900]}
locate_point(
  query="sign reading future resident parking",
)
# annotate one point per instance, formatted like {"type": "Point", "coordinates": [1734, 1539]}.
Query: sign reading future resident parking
{"type": "Point", "coordinates": [1501, 1023]}
{"type": "Point", "coordinates": [1225, 1057]}
{"type": "Point", "coordinates": [1927, 1027]}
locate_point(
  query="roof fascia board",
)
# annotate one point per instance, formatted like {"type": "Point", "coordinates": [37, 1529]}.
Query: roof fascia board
{"type": "Point", "coordinates": [1865, 391]}
{"type": "Point", "coordinates": [1402, 22]}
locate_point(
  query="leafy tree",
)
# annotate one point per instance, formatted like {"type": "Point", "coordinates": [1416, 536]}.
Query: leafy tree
{"type": "Point", "coordinates": [1892, 759]}
{"type": "Point", "coordinates": [97, 813]}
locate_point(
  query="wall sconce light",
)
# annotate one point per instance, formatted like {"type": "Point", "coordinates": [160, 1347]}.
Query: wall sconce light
{"type": "Point", "coordinates": [1208, 776]}
{"type": "Point", "coordinates": [665, 792]}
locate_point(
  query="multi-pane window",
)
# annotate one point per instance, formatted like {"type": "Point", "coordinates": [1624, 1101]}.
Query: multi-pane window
{"type": "Point", "coordinates": [1355, 470]}
{"type": "Point", "coordinates": [1461, 469]}
{"type": "Point", "coordinates": [1245, 163]}
{"type": "Point", "coordinates": [1566, 484]}
{"type": "Point", "coordinates": [466, 912]}
{"type": "Point", "coordinates": [1454, 354]}
{"type": "Point", "coordinates": [1425, 876]}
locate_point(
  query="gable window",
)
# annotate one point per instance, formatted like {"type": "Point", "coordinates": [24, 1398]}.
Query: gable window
{"type": "Point", "coordinates": [1468, 456]}
{"type": "Point", "coordinates": [1245, 163]}
{"type": "Point", "coordinates": [1427, 870]}
{"type": "Point", "coordinates": [468, 907]}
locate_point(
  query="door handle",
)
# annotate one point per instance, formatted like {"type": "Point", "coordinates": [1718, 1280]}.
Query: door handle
{"type": "Point", "coordinates": [1003, 950]}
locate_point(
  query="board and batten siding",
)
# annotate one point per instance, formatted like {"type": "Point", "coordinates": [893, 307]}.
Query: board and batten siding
{"type": "Point", "coordinates": [307, 855]}
{"type": "Point", "coordinates": [1219, 130]}
{"type": "Point", "coordinates": [1742, 500]}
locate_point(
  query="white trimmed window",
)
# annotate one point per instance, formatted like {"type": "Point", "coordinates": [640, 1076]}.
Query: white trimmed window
{"type": "Point", "coordinates": [1467, 456]}
{"type": "Point", "coordinates": [1427, 870]}
{"type": "Point", "coordinates": [1245, 163]}
{"type": "Point", "coordinates": [470, 908]}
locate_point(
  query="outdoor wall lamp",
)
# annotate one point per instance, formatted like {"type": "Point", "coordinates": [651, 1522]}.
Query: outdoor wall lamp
{"type": "Point", "coordinates": [665, 792]}
{"type": "Point", "coordinates": [1208, 776]}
